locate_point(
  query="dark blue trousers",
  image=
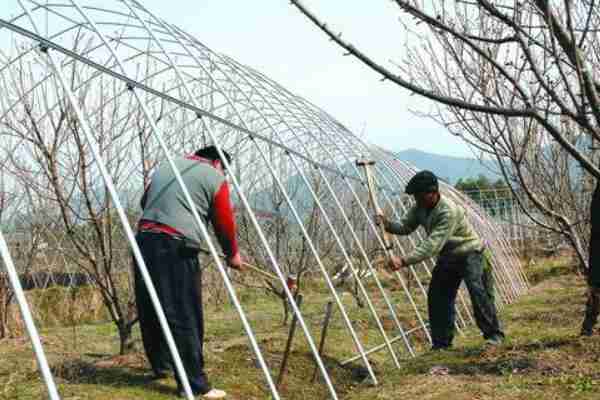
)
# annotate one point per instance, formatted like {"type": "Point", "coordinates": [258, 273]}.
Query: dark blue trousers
{"type": "Point", "coordinates": [592, 308]}
{"type": "Point", "coordinates": [594, 262]}
{"type": "Point", "coordinates": [441, 297]}
{"type": "Point", "coordinates": [175, 274]}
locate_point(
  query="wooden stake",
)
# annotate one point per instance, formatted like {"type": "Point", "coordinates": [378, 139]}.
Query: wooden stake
{"type": "Point", "coordinates": [328, 312]}
{"type": "Point", "coordinates": [288, 345]}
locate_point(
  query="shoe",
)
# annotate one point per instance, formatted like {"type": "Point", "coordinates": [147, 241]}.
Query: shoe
{"type": "Point", "coordinates": [437, 347]}
{"type": "Point", "coordinates": [158, 375]}
{"type": "Point", "coordinates": [586, 331]}
{"type": "Point", "coordinates": [495, 340]}
{"type": "Point", "coordinates": [214, 394]}
{"type": "Point", "coordinates": [211, 394]}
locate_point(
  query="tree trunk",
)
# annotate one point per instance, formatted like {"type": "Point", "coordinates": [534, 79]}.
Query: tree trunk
{"type": "Point", "coordinates": [573, 237]}
{"type": "Point", "coordinates": [125, 338]}
{"type": "Point", "coordinates": [3, 319]}
{"type": "Point", "coordinates": [594, 262]}
{"type": "Point", "coordinates": [286, 310]}
{"type": "Point", "coordinates": [5, 298]}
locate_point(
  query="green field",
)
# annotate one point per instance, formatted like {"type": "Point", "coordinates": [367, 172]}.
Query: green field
{"type": "Point", "coordinates": [543, 357]}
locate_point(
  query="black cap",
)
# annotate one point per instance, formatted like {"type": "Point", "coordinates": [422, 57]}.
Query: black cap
{"type": "Point", "coordinates": [211, 153]}
{"type": "Point", "coordinates": [422, 182]}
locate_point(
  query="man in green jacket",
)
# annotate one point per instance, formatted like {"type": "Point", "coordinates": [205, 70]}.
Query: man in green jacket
{"type": "Point", "coordinates": [460, 255]}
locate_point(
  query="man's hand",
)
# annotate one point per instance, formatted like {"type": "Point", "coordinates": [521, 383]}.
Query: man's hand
{"type": "Point", "coordinates": [380, 220]}
{"type": "Point", "coordinates": [396, 263]}
{"type": "Point", "coordinates": [236, 263]}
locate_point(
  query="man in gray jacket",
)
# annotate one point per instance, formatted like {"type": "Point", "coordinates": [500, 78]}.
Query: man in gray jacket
{"type": "Point", "coordinates": [169, 240]}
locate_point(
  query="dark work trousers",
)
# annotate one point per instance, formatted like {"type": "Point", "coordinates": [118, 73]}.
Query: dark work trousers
{"type": "Point", "coordinates": [175, 274]}
{"type": "Point", "coordinates": [445, 281]}
{"type": "Point", "coordinates": [592, 308]}
{"type": "Point", "coordinates": [594, 261]}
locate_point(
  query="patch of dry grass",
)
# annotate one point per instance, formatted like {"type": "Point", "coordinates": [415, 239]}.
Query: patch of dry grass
{"type": "Point", "coordinates": [542, 358]}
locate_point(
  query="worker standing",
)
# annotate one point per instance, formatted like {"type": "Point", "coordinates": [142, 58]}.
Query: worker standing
{"type": "Point", "coordinates": [460, 255]}
{"type": "Point", "coordinates": [169, 240]}
{"type": "Point", "coordinates": [592, 307]}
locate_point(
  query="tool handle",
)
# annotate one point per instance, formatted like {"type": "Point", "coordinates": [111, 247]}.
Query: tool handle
{"type": "Point", "coordinates": [260, 271]}
{"type": "Point", "coordinates": [249, 266]}
{"type": "Point", "coordinates": [385, 235]}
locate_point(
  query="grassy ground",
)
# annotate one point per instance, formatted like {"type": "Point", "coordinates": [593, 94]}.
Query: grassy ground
{"type": "Point", "coordinates": [543, 356]}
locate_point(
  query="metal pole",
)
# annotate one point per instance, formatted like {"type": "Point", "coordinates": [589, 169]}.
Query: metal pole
{"type": "Point", "coordinates": [129, 233]}
{"type": "Point", "coordinates": [340, 244]}
{"type": "Point", "coordinates": [201, 113]}
{"type": "Point", "coordinates": [13, 277]}
{"type": "Point", "coordinates": [246, 204]}
{"type": "Point", "coordinates": [380, 287]}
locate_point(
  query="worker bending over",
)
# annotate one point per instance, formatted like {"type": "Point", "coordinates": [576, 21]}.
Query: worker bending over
{"type": "Point", "coordinates": [169, 239]}
{"type": "Point", "coordinates": [460, 255]}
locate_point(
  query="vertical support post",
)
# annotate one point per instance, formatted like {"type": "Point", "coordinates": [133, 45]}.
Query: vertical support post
{"type": "Point", "coordinates": [288, 345]}
{"type": "Point", "coordinates": [328, 312]}
{"type": "Point", "coordinates": [13, 277]}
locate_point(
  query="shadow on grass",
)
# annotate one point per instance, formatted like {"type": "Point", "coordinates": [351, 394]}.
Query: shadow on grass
{"type": "Point", "coordinates": [472, 367]}
{"type": "Point", "coordinates": [499, 367]}
{"type": "Point", "coordinates": [83, 372]}
{"type": "Point", "coordinates": [351, 372]}
{"type": "Point", "coordinates": [345, 378]}
{"type": "Point", "coordinates": [543, 344]}
{"type": "Point", "coordinates": [508, 359]}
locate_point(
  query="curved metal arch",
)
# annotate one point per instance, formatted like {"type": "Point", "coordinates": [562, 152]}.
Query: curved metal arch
{"type": "Point", "coordinates": [364, 253]}
{"type": "Point", "coordinates": [330, 285]}
{"type": "Point", "coordinates": [237, 105]}
{"type": "Point", "coordinates": [199, 222]}
{"type": "Point", "coordinates": [257, 226]}
{"type": "Point", "coordinates": [337, 125]}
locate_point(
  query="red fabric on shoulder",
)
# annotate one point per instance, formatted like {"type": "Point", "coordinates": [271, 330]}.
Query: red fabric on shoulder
{"type": "Point", "coordinates": [224, 221]}
{"type": "Point", "coordinates": [194, 157]}
{"type": "Point", "coordinates": [152, 226]}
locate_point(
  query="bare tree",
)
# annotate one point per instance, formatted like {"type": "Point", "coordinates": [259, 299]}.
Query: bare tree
{"type": "Point", "coordinates": [47, 153]}
{"type": "Point", "coordinates": [290, 246]}
{"type": "Point", "coordinates": [518, 81]}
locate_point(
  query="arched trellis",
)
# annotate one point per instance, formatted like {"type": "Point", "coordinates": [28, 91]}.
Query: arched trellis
{"type": "Point", "coordinates": [162, 90]}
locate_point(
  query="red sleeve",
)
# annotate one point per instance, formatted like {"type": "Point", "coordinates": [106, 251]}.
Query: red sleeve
{"type": "Point", "coordinates": [223, 221]}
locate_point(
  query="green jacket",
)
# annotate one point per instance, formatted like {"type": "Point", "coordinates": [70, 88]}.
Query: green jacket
{"type": "Point", "coordinates": [448, 231]}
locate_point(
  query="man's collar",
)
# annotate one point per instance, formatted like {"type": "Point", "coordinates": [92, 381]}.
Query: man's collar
{"type": "Point", "coordinates": [430, 210]}
{"type": "Point", "coordinates": [197, 158]}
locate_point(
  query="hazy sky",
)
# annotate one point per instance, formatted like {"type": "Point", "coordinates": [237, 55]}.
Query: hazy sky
{"type": "Point", "coordinates": [274, 38]}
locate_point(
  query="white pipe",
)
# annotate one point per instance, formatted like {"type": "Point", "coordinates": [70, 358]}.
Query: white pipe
{"type": "Point", "coordinates": [29, 325]}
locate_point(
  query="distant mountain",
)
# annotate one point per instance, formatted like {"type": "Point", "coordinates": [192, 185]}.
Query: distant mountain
{"type": "Point", "coordinates": [450, 169]}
